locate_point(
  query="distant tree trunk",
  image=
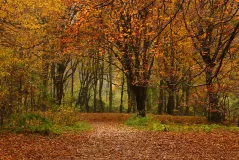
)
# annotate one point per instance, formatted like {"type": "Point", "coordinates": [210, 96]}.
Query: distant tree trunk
{"type": "Point", "coordinates": [20, 96]}
{"type": "Point", "coordinates": [72, 83]}
{"type": "Point", "coordinates": [177, 100]}
{"type": "Point", "coordinates": [94, 94]}
{"type": "Point", "coordinates": [133, 102]}
{"type": "Point", "coordinates": [165, 101]}
{"type": "Point", "coordinates": [149, 98]}
{"type": "Point", "coordinates": [101, 81]}
{"type": "Point", "coordinates": [238, 121]}
{"type": "Point", "coordinates": [161, 98]}
{"type": "Point", "coordinates": [171, 101]}
{"type": "Point", "coordinates": [87, 104]}
{"type": "Point", "coordinates": [110, 82]}
{"type": "Point", "coordinates": [187, 93]}
{"type": "Point", "coordinates": [1, 117]}
{"type": "Point", "coordinates": [45, 84]}
{"type": "Point", "coordinates": [96, 65]}
{"type": "Point", "coordinates": [122, 94]}
{"type": "Point", "coordinates": [53, 75]}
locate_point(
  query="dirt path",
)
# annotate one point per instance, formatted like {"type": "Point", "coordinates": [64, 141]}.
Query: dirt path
{"type": "Point", "coordinates": [114, 141]}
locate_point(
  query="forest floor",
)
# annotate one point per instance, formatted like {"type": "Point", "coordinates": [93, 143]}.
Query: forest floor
{"type": "Point", "coordinates": [111, 140]}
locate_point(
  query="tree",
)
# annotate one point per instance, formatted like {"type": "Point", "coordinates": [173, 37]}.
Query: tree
{"type": "Point", "coordinates": [24, 26]}
{"type": "Point", "coordinates": [131, 30]}
{"type": "Point", "coordinates": [212, 26]}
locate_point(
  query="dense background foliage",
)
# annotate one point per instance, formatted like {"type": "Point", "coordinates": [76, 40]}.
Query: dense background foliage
{"type": "Point", "coordinates": [167, 57]}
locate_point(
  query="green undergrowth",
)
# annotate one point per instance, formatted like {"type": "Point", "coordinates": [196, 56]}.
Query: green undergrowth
{"type": "Point", "coordinates": [46, 124]}
{"type": "Point", "coordinates": [147, 123]}
{"type": "Point", "coordinates": [151, 124]}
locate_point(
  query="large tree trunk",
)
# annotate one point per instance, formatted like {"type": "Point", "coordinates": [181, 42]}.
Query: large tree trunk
{"type": "Point", "coordinates": [171, 101]}
{"type": "Point", "coordinates": [214, 114]}
{"type": "Point", "coordinates": [140, 95]}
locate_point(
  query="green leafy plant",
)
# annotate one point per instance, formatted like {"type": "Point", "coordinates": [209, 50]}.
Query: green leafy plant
{"type": "Point", "coordinates": [78, 126]}
{"type": "Point", "coordinates": [152, 124]}
{"type": "Point", "coordinates": [32, 122]}
{"type": "Point", "coordinates": [138, 121]}
{"type": "Point", "coordinates": [66, 117]}
{"type": "Point", "coordinates": [148, 123]}
{"type": "Point", "coordinates": [68, 120]}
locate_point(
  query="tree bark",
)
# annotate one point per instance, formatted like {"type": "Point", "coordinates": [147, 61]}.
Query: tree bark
{"type": "Point", "coordinates": [58, 81]}
{"type": "Point", "coordinates": [45, 84]}
{"type": "Point", "coordinates": [214, 114]}
{"type": "Point", "coordinates": [171, 100]}
{"type": "Point", "coordinates": [161, 98]}
{"type": "Point", "coordinates": [140, 95]}
{"type": "Point", "coordinates": [72, 83]}
{"type": "Point", "coordinates": [110, 83]}
{"type": "Point", "coordinates": [129, 90]}
{"type": "Point", "coordinates": [122, 94]}
{"type": "Point", "coordinates": [101, 80]}
{"type": "Point", "coordinates": [187, 93]}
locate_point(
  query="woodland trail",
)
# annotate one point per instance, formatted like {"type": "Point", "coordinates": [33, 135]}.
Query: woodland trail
{"type": "Point", "coordinates": [114, 141]}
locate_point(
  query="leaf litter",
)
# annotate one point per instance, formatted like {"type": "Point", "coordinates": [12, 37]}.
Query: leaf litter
{"type": "Point", "coordinates": [111, 140]}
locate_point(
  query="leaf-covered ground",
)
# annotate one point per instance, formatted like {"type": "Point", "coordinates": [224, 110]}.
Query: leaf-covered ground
{"type": "Point", "coordinates": [113, 140]}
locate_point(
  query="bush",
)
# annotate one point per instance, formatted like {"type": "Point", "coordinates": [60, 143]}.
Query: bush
{"type": "Point", "coordinates": [54, 123]}
{"type": "Point", "coordinates": [68, 120]}
{"type": "Point", "coordinates": [66, 117]}
{"type": "Point", "coordinates": [33, 123]}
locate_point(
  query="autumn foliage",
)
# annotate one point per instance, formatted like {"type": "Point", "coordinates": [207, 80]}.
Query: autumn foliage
{"type": "Point", "coordinates": [175, 57]}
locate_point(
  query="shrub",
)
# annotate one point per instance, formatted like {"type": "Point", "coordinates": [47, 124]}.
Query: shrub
{"type": "Point", "coordinates": [68, 120]}
{"type": "Point", "coordinates": [33, 123]}
{"type": "Point", "coordinates": [65, 117]}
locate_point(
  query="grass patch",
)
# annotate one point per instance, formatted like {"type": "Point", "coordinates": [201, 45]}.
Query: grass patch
{"type": "Point", "coordinates": [32, 123]}
{"type": "Point", "coordinates": [46, 124]}
{"type": "Point", "coordinates": [201, 128]}
{"type": "Point", "coordinates": [146, 123]}
{"type": "Point", "coordinates": [78, 126]}
{"type": "Point", "coordinates": [152, 124]}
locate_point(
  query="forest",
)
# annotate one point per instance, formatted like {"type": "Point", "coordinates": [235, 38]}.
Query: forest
{"type": "Point", "coordinates": [152, 63]}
